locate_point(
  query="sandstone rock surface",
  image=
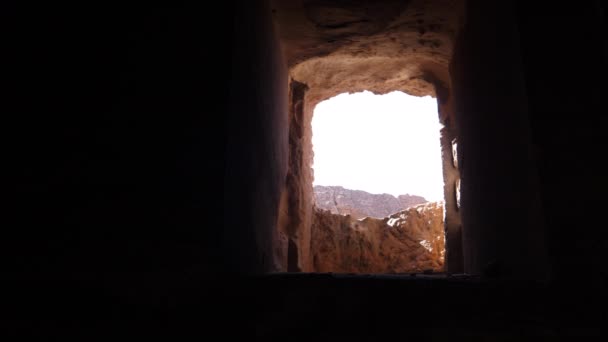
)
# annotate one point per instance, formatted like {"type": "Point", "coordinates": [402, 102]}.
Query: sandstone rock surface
{"type": "Point", "coordinates": [408, 241]}
{"type": "Point", "coordinates": [381, 46]}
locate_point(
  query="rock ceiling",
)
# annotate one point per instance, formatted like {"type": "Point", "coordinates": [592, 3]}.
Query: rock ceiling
{"type": "Point", "coordinates": [337, 46]}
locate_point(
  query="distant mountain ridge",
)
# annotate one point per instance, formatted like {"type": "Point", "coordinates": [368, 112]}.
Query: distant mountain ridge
{"type": "Point", "coordinates": [360, 204]}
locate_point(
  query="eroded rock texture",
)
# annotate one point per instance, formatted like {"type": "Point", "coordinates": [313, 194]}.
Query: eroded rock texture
{"type": "Point", "coordinates": [381, 46]}
{"type": "Point", "coordinates": [332, 47]}
{"type": "Point", "coordinates": [360, 204]}
{"type": "Point", "coordinates": [411, 240]}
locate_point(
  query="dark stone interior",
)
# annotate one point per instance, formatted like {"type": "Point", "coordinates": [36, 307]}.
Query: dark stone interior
{"type": "Point", "coordinates": [124, 127]}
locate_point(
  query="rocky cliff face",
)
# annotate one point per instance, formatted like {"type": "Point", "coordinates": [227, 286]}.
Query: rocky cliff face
{"type": "Point", "coordinates": [360, 204]}
{"type": "Point", "coordinates": [410, 240]}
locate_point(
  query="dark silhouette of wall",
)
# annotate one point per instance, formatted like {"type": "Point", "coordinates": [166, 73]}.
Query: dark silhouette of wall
{"type": "Point", "coordinates": [113, 119]}
{"type": "Point", "coordinates": [566, 89]}
{"type": "Point", "coordinates": [503, 228]}
{"type": "Point", "coordinates": [257, 148]}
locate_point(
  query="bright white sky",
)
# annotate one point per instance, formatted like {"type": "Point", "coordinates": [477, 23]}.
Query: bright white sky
{"type": "Point", "coordinates": [379, 144]}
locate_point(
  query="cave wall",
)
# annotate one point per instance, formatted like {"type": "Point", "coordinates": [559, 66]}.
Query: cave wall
{"type": "Point", "coordinates": [566, 90]}
{"type": "Point", "coordinates": [451, 175]}
{"type": "Point", "coordinates": [114, 132]}
{"type": "Point", "coordinates": [529, 133]}
{"type": "Point", "coordinates": [295, 211]}
{"type": "Point", "coordinates": [257, 150]}
{"type": "Point", "coordinates": [503, 227]}
{"type": "Point", "coordinates": [127, 144]}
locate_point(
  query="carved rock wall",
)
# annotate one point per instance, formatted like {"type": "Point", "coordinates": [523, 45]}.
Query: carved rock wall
{"type": "Point", "coordinates": [334, 46]}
